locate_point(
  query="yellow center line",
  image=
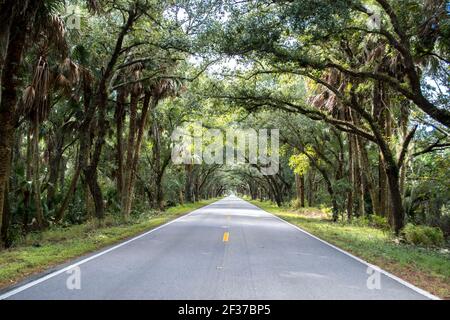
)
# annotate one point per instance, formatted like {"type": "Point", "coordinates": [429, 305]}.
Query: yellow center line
{"type": "Point", "coordinates": [226, 235]}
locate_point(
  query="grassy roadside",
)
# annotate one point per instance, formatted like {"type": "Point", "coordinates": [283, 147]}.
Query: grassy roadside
{"type": "Point", "coordinates": [425, 268]}
{"type": "Point", "coordinates": [39, 252]}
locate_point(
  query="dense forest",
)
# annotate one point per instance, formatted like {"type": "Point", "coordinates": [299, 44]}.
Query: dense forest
{"type": "Point", "coordinates": [91, 92]}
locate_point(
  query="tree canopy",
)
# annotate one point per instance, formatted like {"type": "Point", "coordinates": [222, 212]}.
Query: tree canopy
{"type": "Point", "coordinates": [92, 91]}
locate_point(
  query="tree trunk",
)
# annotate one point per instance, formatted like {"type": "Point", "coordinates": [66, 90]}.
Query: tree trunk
{"type": "Point", "coordinates": [159, 193]}
{"type": "Point", "coordinates": [404, 120]}
{"type": "Point", "coordinates": [36, 176]}
{"type": "Point", "coordinates": [19, 28]}
{"type": "Point", "coordinates": [28, 176]}
{"type": "Point", "coordinates": [6, 142]}
{"type": "Point", "coordinates": [180, 196]}
{"type": "Point", "coordinates": [350, 177]}
{"type": "Point", "coordinates": [359, 179]}
{"type": "Point", "coordinates": [311, 176]}
{"type": "Point", "coordinates": [126, 201]}
{"type": "Point", "coordinates": [120, 117]}
{"type": "Point", "coordinates": [90, 172]}
{"type": "Point", "coordinates": [334, 203]}
{"type": "Point", "coordinates": [92, 181]}
{"type": "Point", "coordinates": [392, 173]}
{"type": "Point", "coordinates": [6, 16]}
{"type": "Point", "coordinates": [300, 186]}
{"type": "Point", "coordinates": [100, 103]}
{"type": "Point", "coordinates": [330, 190]}
{"type": "Point", "coordinates": [275, 191]}
{"type": "Point", "coordinates": [55, 151]}
{"type": "Point", "coordinates": [188, 184]}
{"type": "Point", "coordinates": [6, 220]}
{"type": "Point", "coordinates": [389, 172]}
{"type": "Point", "coordinates": [369, 177]}
{"type": "Point", "coordinates": [388, 136]}
{"type": "Point", "coordinates": [89, 203]}
{"type": "Point", "coordinates": [398, 213]}
{"type": "Point", "coordinates": [140, 136]}
{"type": "Point", "coordinates": [136, 152]}
{"type": "Point", "coordinates": [83, 152]}
{"type": "Point", "coordinates": [69, 194]}
{"type": "Point", "coordinates": [196, 191]}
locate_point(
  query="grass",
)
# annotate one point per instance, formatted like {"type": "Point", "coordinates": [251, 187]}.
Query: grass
{"type": "Point", "coordinates": [40, 251]}
{"type": "Point", "coordinates": [426, 268]}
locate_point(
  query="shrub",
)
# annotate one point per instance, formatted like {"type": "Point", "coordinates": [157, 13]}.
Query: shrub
{"type": "Point", "coordinates": [444, 225]}
{"type": "Point", "coordinates": [325, 209]}
{"type": "Point", "coordinates": [442, 222]}
{"type": "Point", "coordinates": [371, 221]}
{"type": "Point", "coordinates": [423, 235]}
{"type": "Point", "coordinates": [358, 221]}
{"type": "Point", "coordinates": [379, 222]}
{"type": "Point", "coordinates": [295, 204]}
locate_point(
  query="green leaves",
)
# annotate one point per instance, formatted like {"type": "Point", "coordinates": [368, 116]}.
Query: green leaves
{"type": "Point", "coordinates": [299, 164]}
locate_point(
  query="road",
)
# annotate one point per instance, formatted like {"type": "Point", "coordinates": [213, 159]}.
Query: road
{"type": "Point", "coordinates": [228, 250]}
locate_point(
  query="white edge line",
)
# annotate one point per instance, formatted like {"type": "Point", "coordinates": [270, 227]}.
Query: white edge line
{"type": "Point", "coordinates": [403, 282]}
{"type": "Point", "coordinates": [58, 272]}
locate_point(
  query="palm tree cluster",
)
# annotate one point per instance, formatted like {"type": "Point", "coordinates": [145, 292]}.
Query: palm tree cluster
{"type": "Point", "coordinates": [80, 106]}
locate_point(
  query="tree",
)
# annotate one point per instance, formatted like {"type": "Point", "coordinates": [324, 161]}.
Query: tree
{"type": "Point", "coordinates": [327, 51]}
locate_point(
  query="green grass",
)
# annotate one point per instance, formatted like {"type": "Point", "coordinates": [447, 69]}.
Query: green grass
{"type": "Point", "coordinates": [40, 251]}
{"type": "Point", "coordinates": [424, 267]}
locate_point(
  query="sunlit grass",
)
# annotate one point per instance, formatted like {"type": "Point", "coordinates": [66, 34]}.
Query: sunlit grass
{"type": "Point", "coordinates": [427, 268]}
{"type": "Point", "coordinates": [39, 251]}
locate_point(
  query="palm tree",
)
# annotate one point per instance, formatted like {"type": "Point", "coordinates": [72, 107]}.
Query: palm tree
{"type": "Point", "coordinates": [32, 25]}
{"type": "Point", "coordinates": [158, 90]}
{"type": "Point", "coordinates": [29, 26]}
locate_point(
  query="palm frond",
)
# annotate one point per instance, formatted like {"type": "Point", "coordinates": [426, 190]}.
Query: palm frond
{"type": "Point", "coordinates": [27, 102]}
{"type": "Point", "coordinates": [80, 54]}
{"type": "Point", "coordinates": [70, 70]}
{"type": "Point", "coordinates": [55, 32]}
{"type": "Point", "coordinates": [41, 84]}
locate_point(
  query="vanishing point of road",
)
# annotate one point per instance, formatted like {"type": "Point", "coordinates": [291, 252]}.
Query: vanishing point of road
{"type": "Point", "coordinates": [227, 250]}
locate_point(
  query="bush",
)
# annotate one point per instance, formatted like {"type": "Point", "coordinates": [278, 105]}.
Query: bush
{"type": "Point", "coordinates": [379, 222]}
{"type": "Point", "coordinates": [442, 222]}
{"type": "Point", "coordinates": [372, 221]}
{"type": "Point", "coordinates": [295, 204]}
{"type": "Point", "coordinates": [326, 210]}
{"type": "Point", "coordinates": [358, 221]}
{"type": "Point", "coordinates": [423, 235]}
{"type": "Point", "coordinates": [444, 225]}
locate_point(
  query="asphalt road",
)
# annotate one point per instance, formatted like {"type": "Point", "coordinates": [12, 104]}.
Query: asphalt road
{"type": "Point", "coordinates": [227, 250]}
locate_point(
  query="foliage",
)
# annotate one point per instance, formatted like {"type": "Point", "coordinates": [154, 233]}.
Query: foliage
{"type": "Point", "coordinates": [87, 113]}
{"type": "Point", "coordinates": [373, 221]}
{"type": "Point", "coordinates": [379, 222]}
{"type": "Point", "coordinates": [423, 235]}
{"type": "Point", "coordinates": [299, 163]}
{"type": "Point", "coordinates": [295, 204]}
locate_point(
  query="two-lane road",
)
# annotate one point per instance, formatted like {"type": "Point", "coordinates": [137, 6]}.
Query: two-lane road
{"type": "Point", "coordinates": [227, 250]}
